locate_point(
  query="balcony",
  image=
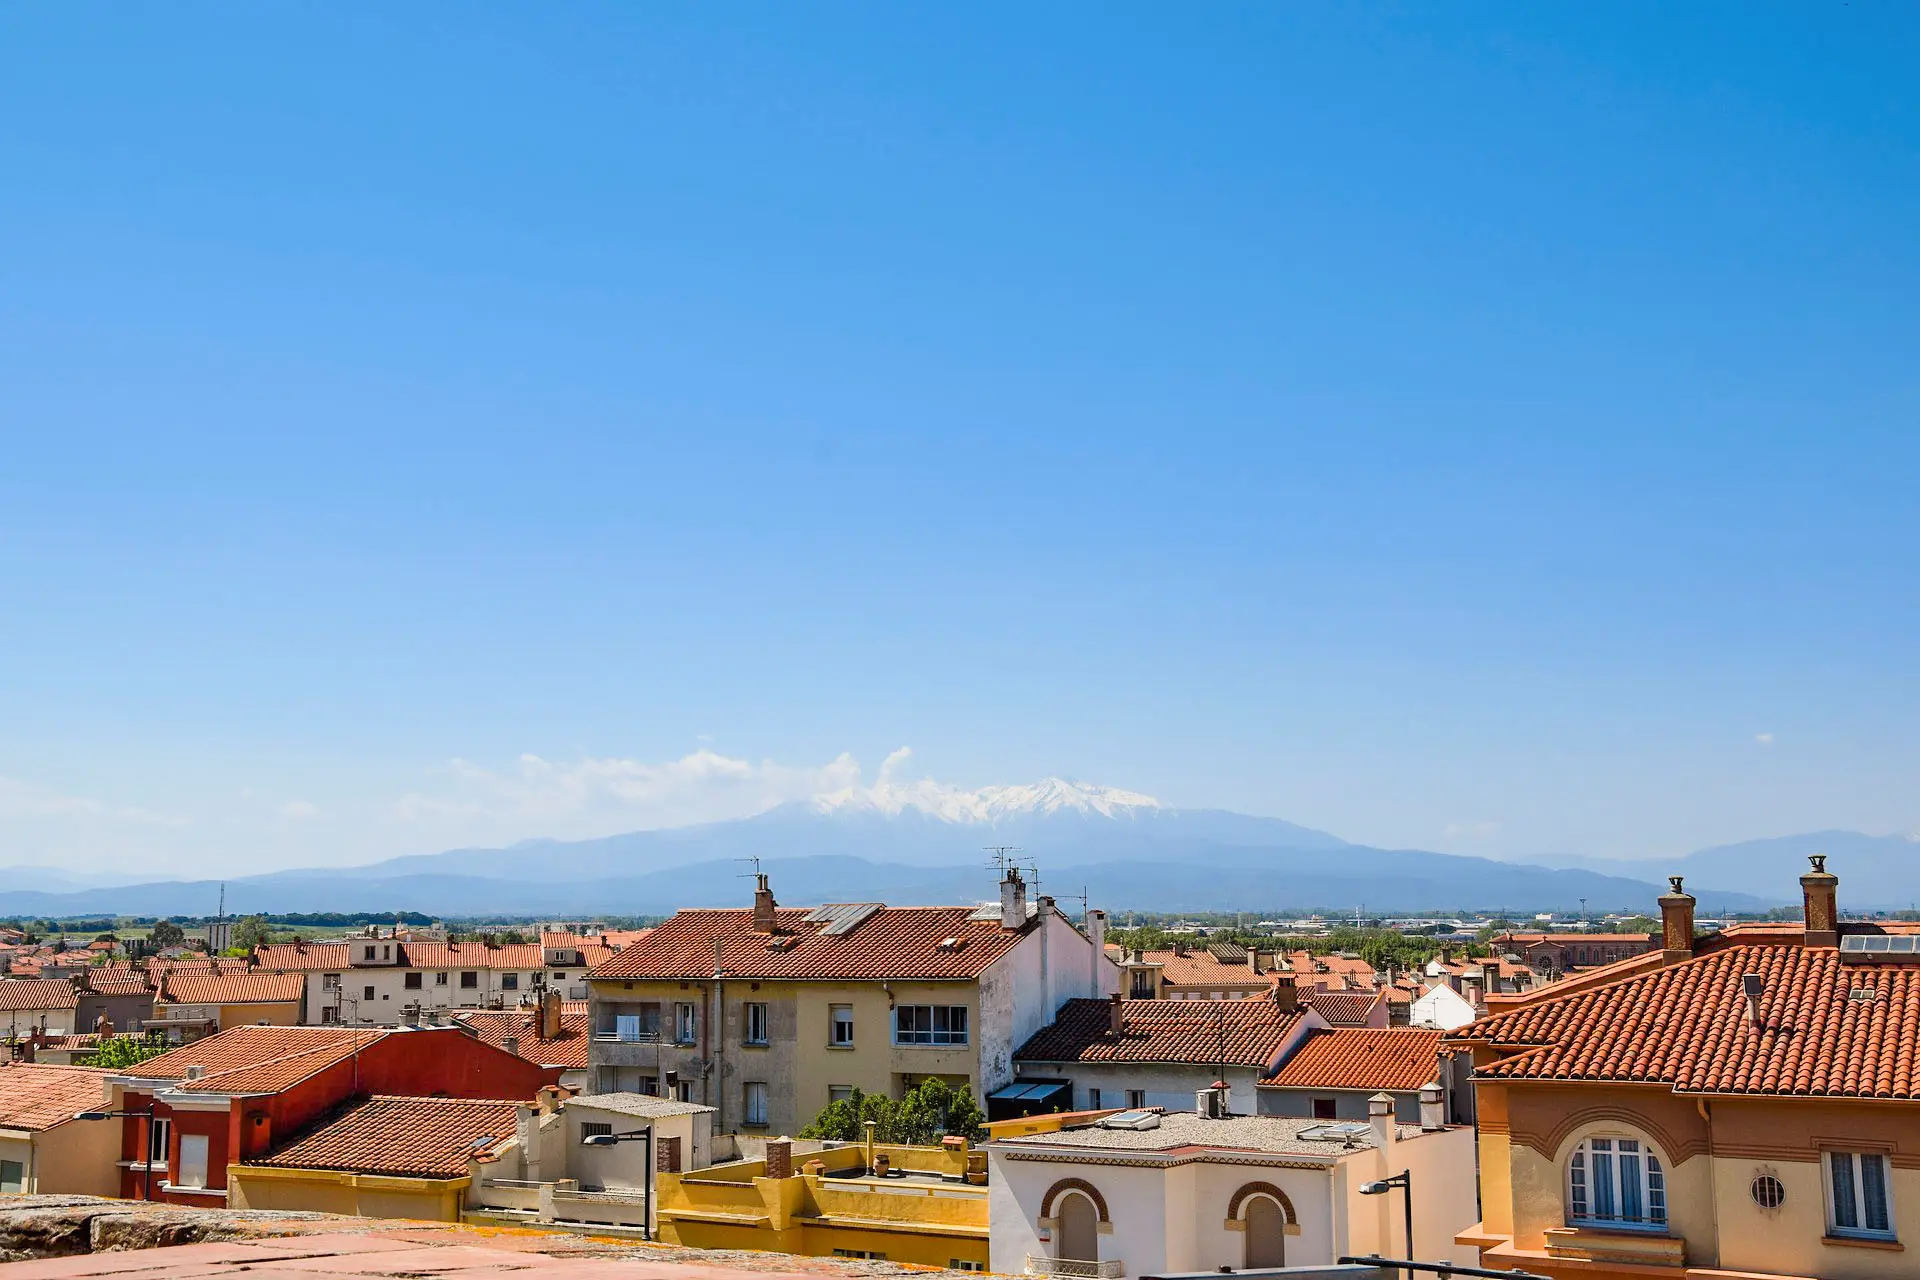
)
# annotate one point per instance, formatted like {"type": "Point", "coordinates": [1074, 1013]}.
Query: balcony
{"type": "Point", "coordinates": [1074, 1269]}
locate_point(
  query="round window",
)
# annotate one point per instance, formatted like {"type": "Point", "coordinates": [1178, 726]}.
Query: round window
{"type": "Point", "coordinates": [1768, 1192]}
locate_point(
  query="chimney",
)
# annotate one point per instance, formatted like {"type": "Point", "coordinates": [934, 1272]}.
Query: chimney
{"type": "Point", "coordinates": [1433, 1110]}
{"type": "Point", "coordinates": [1676, 922]}
{"type": "Point", "coordinates": [1116, 1020]}
{"type": "Point", "coordinates": [763, 905]}
{"type": "Point", "coordinates": [1286, 993]}
{"type": "Point", "coordinates": [1380, 1116]}
{"type": "Point", "coordinates": [1253, 960]}
{"type": "Point", "coordinates": [780, 1158]}
{"type": "Point", "coordinates": [1820, 888]}
{"type": "Point", "coordinates": [550, 1016]}
{"type": "Point", "coordinates": [1013, 900]}
{"type": "Point", "coordinates": [511, 1044]}
{"type": "Point", "coordinates": [1753, 986]}
{"type": "Point", "coordinates": [1096, 923]}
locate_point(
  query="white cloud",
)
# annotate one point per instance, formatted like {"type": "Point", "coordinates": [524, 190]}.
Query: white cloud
{"type": "Point", "coordinates": [602, 795]}
{"type": "Point", "coordinates": [1764, 739]}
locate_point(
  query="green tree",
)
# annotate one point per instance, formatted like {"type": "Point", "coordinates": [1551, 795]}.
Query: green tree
{"type": "Point", "coordinates": [253, 931]}
{"type": "Point", "coordinates": [929, 1112]}
{"type": "Point", "coordinates": [164, 934]}
{"type": "Point", "coordinates": [124, 1051]}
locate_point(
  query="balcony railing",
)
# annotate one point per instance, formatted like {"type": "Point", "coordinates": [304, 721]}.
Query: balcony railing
{"type": "Point", "coordinates": [1074, 1268]}
{"type": "Point", "coordinates": [631, 1037]}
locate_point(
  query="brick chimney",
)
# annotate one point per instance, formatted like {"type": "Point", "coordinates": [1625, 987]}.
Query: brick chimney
{"type": "Point", "coordinates": [1286, 993]}
{"type": "Point", "coordinates": [1013, 900]}
{"type": "Point", "coordinates": [550, 1016]}
{"type": "Point", "coordinates": [1820, 888]}
{"type": "Point", "coordinates": [763, 905]}
{"type": "Point", "coordinates": [779, 1158]}
{"type": "Point", "coordinates": [1116, 1020]}
{"type": "Point", "coordinates": [1676, 922]}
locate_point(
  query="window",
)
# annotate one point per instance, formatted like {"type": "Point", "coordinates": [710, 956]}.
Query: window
{"type": "Point", "coordinates": [626, 1027]}
{"type": "Point", "coordinates": [193, 1160]}
{"type": "Point", "coordinates": [1616, 1182]}
{"type": "Point", "coordinates": [439, 979]}
{"type": "Point", "coordinates": [13, 1175]}
{"type": "Point", "coordinates": [329, 982]}
{"type": "Point", "coordinates": [594, 1129]}
{"type": "Point", "coordinates": [369, 994]}
{"type": "Point", "coordinates": [867, 1254]}
{"type": "Point", "coordinates": [412, 982]}
{"type": "Point", "coordinates": [756, 1024]}
{"type": "Point", "coordinates": [1768, 1191]}
{"type": "Point", "coordinates": [1093, 1099]}
{"type": "Point", "coordinates": [559, 977]}
{"type": "Point", "coordinates": [964, 1264]}
{"type": "Point", "coordinates": [162, 1139]}
{"type": "Point", "coordinates": [839, 1093]}
{"type": "Point", "coordinates": [1142, 985]}
{"type": "Point", "coordinates": [1857, 1194]}
{"type": "Point", "coordinates": [685, 1025]}
{"type": "Point", "coordinates": [329, 1013]}
{"type": "Point", "coordinates": [1136, 1098]}
{"type": "Point", "coordinates": [1326, 1109]}
{"type": "Point", "coordinates": [840, 1026]}
{"type": "Point", "coordinates": [509, 982]}
{"type": "Point", "coordinates": [469, 979]}
{"type": "Point", "coordinates": [937, 1024]}
{"type": "Point", "coordinates": [755, 1092]}
{"type": "Point", "coordinates": [372, 953]}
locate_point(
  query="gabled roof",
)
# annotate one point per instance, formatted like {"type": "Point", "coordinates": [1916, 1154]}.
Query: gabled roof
{"type": "Point", "coordinates": [1397, 1058]}
{"type": "Point", "coordinates": [39, 1096]}
{"type": "Point", "coordinates": [568, 1049]}
{"type": "Point", "coordinates": [203, 987]}
{"type": "Point", "coordinates": [111, 982]}
{"type": "Point", "coordinates": [1686, 1025]}
{"type": "Point", "coordinates": [1204, 969]}
{"type": "Point", "coordinates": [400, 1137]}
{"type": "Point", "coordinates": [1247, 1033]}
{"type": "Point", "coordinates": [893, 942]}
{"type": "Point", "coordinates": [21, 995]}
{"type": "Point", "coordinates": [257, 1059]}
{"type": "Point", "coordinates": [1342, 1008]}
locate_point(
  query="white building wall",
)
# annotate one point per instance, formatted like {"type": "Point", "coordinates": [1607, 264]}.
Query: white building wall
{"type": "Point", "coordinates": [1021, 991]}
{"type": "Point", "coordinates": [1168, 1085]}
{"type": "Point", "coordinates": [1441, 1007]}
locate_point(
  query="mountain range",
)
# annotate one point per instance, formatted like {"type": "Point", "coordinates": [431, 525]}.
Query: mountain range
{"type": "Point", "coordinates": [925, 842]}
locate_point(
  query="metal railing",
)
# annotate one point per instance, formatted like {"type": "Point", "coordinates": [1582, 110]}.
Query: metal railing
{"type": "Point", "coordinates": [1074, 1268]}
{"type": "Point", "coordinates": [639, 1037]}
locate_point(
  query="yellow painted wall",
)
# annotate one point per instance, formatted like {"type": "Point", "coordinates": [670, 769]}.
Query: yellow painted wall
{"type": "Point", "coordinates": [278, 1014]}
{"type": "Point", "coordinates": [357, 1194]}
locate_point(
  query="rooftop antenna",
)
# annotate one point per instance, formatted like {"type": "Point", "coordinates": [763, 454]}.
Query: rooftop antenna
{"type": "Point", "coordinates": [1002, 858]}
{"type": "Point", "coordinates": [755, 873]}
{"type": "Point", "coordinates": [1081, 898]}
{"type": "Point", "coordinates": [1583, 911]}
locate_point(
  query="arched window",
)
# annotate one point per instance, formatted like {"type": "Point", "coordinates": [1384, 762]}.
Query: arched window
{"type": "Point", "coordinates": [1616, 1182]}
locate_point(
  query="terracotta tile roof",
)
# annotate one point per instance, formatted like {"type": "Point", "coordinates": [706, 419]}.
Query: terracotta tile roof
{"type": "Point", "coordinates": [199, 964]}
{"type": "Point", "coordinates": [893, 942]}
{"type": "Point", "coordinates": [624, 937]}
{"type": "Point", "coordinates": [256, 1059]}
{"type": "Point", "coordinates": [400, 1137]}
{"type": "Point", "coordinates": [305, 957]}
{"type": "Point", "coordinates": [1186, 1031]}
{"type": "Point", "coordinates": [1686, 1025]}
{"type": "Point", "coordinates": [190, 987]}
{"type": "Point", "coordinates": [1399, 1058]}
{"type": "Point", "coordinates": [118, 983]}
{"type": "Point", "coordinates": [1204, 969]}
{"type": "Point", "coordinates": [1307, 965]}
{"type": "Point", "coordinates": [1527, 939]}
{"type": "Point", "coordinates": [1343, 1008]}
{"type": "Point", "coordinates": [568, 1050]}
{"type": "Point", "coordinates": [35, 994]}
{"type": "Point", "coordinates": [38, 1096]}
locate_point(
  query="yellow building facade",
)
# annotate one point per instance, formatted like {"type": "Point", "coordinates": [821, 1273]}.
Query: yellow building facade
{"type": "Point", "coordinates": [364, 1195]}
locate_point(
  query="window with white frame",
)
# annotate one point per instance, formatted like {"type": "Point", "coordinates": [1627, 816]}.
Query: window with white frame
{"type": "Point", "coordinates": [162, 1143]}
{"type": "Point", "coordinates": [840, 1028]}
{"type": "Point", "coordinates": [755, 1095]}
{"type": "Point", "coordinates": [684, 1026]}
{"type": "Point", "coordinates": [934, 1024]}
{"type": "Point", "coordinates": [1616, 1182]}
{"type": "Point", "coordinates": [755, 1030]}
{"type": "Point", "coordinates": [1857, 1194]}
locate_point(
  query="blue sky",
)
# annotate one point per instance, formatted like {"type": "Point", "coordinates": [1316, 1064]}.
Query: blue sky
{"type": "Point", "coordinates": [1490, 429]}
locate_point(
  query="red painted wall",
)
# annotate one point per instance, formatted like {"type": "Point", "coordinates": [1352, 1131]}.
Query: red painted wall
{"type": "Point", "coordinates": [441, 1061]}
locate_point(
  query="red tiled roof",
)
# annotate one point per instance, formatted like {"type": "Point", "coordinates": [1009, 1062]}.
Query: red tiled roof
{"type": "Point", "coordinates": [569, 1050]}
{"type": "Point", "coordinates": [1686, 1025]}
{"type": "Point", "coordinates": [1526, 939]}
{"type": "Point", "coordinates": [1204, 969]}
{"type": "Point", "coordinates": [1343, 1008]}
{"type": "Point", "coordinates": [894, 942]}
{"type": "Point", "coordinates": [400, 1137]}
{"type": "Point", "coordinates": [1246, 1033]}
{"type": "Point", "coordinates": [36, 1095]}
{"type": "Point", "coordinates": [1400, 1058]}
{"type": "Point", "coordinates": [304, 957]}
{"type": "Point", "coordinates": [189, 987]}
{"type": "Point", "coordinates": [118, 983]}
{"type": "Point", "coordinates": [23, 994]}
{"type": "Point", "coordinates": [257, 1059]}
{"type": "Point", "coordinates": [1307, 965]}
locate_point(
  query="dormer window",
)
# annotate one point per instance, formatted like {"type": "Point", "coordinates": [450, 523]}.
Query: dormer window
{"type": "Point", "coordinates": [1616, 1182]}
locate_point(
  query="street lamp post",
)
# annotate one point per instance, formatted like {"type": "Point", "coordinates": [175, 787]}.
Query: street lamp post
{"type": "Point", "coordinates": [638, 1135]}
{"type": "Point", "coordinates": [146, 1181]}
{"type": "Point", "coordinates": [1404, 1181]}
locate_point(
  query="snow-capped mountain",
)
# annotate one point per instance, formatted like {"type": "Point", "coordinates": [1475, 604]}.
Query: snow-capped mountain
{"type": "Point", "coordinates": [987, 805]}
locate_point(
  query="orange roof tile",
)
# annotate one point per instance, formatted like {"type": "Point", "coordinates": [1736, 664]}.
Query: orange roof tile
{"type": "Point", "coordinates": [118, 983]}
{"type": "Point", "coordinates": [893, 942]}
{"type": "Point", "coordinates": [1247, 1032]}
{"type": "Point", "coordinates": [35, 994]}
{"type": "Point", "coordinates": [1686, 1025]}
{"type": "Point", "coordinates": [305, 957]}
{"type": "Point", "coordinates": [202, 987]}
{"type": "Point", "coordinates": [1204, 969]}
{"type": "Point", "coordinates": [1342, 1008]}
{"type": "Point", "coordinates": [38, 1096]}
{"type": "Point", "coordinates": [1400, 1058]}
{"type": "Point", "coordinates": [495, 1026]}
{"type": "Point", "coordinates": [400, 1137]}
{"type": "Point", "coordinates": [256, 1059]}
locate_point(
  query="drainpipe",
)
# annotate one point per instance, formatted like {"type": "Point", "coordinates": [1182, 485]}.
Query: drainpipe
{"type": "Point", "coordinates": [1713, 1190]}
{"type": "Point", "coordinates": [716, 1091]}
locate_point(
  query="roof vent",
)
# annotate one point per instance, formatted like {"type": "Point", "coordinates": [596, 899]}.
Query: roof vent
{"type": "Point", "coordinates": [952, 944]}
{"type": "Point", "coordinates": [1138, 1120]}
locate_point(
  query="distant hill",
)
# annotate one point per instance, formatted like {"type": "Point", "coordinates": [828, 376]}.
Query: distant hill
{"type": "Point", "coordinates": [1876, 872]}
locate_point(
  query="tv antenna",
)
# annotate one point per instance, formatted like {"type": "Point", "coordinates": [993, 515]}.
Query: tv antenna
{"type": "Point", "coordinates": [1001, 858]}
{"type": "Point", "coordinates": [755, 873]}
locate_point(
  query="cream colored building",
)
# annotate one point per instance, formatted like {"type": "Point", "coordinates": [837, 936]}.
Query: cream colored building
{"type": "Point", "coordinates": [43, 1149]}
{"type": "Point", "coordinates": [769, 1014]}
